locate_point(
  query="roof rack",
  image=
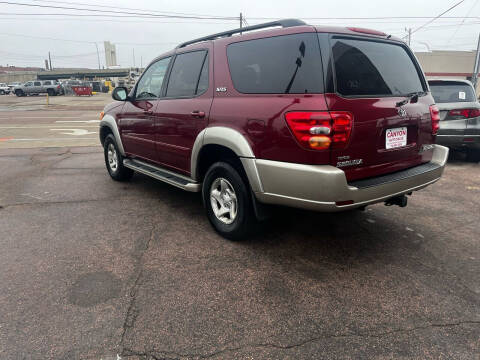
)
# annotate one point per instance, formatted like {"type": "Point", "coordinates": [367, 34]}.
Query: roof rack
{"type": "Point", "coordinates": [283, 23]}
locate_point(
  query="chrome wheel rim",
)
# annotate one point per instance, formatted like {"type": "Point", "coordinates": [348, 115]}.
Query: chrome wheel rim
{"type": "Point", "coordinates": [112, 157]}
{"type": "Point", "coordinates": [223, 200]}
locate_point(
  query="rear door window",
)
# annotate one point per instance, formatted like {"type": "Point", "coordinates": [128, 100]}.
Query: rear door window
{"type": "Point", "coordinates": [373, 68]}
{"type": "Point", "coordinates": [47, 83]}
{"type": "Point", "coordinates": [451, 91]}
{"type": "Point", "coordinates": [203, 80]}
{"type": "Point", "coordinates": [185, 74]}
{"type": "Point", "coordinates": [277, 65]}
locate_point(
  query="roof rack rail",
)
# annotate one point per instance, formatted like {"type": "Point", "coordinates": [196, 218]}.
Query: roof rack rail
{"type": "Point", "coordinates": [283, 23]}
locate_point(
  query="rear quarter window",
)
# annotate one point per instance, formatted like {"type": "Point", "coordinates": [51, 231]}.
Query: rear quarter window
{"type": "Point", "coordinates": [445, 92]}
{"type": "Point", "coordinates": [277, 65]}
{"type": "Point", "coordinates": [373, 68]}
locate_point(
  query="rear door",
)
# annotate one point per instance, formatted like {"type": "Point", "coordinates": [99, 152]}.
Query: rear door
{"type": "Point", "coordinates": [37, 87]}
{"type": "Point", "coordinates": [184, 110]}
{"type": "Point", "coordinates": [371, 79]}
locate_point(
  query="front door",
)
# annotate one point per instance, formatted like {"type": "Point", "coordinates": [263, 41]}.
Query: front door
{"type": "Point", "coordinates": [136, 122]}
{"type": "Point", "coordinates": [184, 110]}
{"type": "Point", "coordinates": [28, 88]}
{"type": "Point", "coordinates": [137, 129]}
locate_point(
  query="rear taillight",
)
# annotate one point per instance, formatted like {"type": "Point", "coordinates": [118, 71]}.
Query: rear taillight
{"type": "Point", "coordinates": [464, 113]}
{"type": "Point", "coordinates": [321, 130]}
{"type": "Point", "coordinates": [474, 113]}
{"type": "Point", "coordinates": [435, 116]}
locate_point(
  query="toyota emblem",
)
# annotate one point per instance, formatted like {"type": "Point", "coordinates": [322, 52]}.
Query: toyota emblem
{"type": "Point", "coordinates": [402, 112]}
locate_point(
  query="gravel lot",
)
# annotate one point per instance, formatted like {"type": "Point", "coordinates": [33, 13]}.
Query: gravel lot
{"type": "Point", "coordinates": [94, 269]}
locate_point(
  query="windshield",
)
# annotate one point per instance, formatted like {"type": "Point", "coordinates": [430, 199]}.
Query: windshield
{"type": "Point", "coordinates": [372, 68]}
{"type": "Point", "coordinates": [446, 92]}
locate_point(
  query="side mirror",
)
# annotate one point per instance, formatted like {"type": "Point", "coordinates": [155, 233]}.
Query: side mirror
{"type": "Point", "coordinates": [120, 94]}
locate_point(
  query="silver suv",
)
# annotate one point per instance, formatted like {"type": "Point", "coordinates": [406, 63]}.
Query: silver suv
{"type": "Point", "coordinates": [459, 115]}
{"type": "Point", "coordinates": [36, 87]}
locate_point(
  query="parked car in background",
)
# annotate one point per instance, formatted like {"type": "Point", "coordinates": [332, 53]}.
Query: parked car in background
{"type": "Point", "coordinates": [266, 117]}
{"type": "Point", "coordinates": [36, 87]}
{"type": "Point", "coordinates": [4, 89]}
{"type": "Point", "coordinates": [54, 83]}
{"type": "Point", "coordinates": [459, 115]}
{"type": "Point", "coordinates": [13, 85]}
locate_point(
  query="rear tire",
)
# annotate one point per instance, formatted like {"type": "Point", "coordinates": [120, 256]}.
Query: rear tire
{"type": "Point", "coordinates": [50, 92]}
{"type": "Point", "coordinates": [2, 92]}
{"type": "Point", "coordinates": [114, 160]}
{"type": "Point", "coordinates": [227, 201]}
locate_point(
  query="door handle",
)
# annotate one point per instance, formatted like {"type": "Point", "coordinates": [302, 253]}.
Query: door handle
{"type": "Point", "coordinates": [198, 114]}
{"type": "Point", "coordinates": [148, 112]}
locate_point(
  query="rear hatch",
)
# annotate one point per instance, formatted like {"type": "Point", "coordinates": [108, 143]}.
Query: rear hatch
{"type": "Point", "coordinates": [374, 80]}
{"type": "Point", "coordinates": [459, 109]}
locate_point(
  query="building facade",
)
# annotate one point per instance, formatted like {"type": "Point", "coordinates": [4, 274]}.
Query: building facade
{"type": "Point", "coordinates": [439, 64]}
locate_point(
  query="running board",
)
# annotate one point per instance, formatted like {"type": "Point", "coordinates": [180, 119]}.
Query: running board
{"type": "Point", "coordinates": [161, 174]}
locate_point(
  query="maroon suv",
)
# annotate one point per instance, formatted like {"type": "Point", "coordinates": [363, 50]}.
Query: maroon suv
{"type": "Point", "coordinates": [321, 118]}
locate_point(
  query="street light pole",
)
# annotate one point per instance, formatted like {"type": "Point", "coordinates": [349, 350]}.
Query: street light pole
{"type": "Point", "coordinates": [475, 66]}
{"type": "Point", "coordinates": [98, 56]}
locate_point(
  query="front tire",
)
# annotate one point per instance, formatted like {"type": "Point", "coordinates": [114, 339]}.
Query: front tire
{"type": "Point", "coordinates": [226, 197]}
{"type": "Point", "coordinates": [19, 93]}
{"type": "Point", "coordinates": [114, 160]}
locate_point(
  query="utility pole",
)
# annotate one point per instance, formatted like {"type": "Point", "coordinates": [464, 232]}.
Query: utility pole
{"type": "Point", "coordinates": [98, 56]}
{"type": "Point", "coordinates": [50, 61]}
{"type": "Point", "coordinates": [409, 35]}
{"type": "Point", "coordinates": [133, 57]}
{"type": "Point", "coordinates": [241, 22]}
{"type": "Point", "coordinates": [475, 66]}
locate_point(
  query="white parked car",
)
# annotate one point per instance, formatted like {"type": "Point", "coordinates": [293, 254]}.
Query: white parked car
{"type": "Point", "coordinates": [4, 89]}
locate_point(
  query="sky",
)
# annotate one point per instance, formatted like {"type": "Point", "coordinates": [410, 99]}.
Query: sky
{"type": "Point", "coordinates": [141, 32]}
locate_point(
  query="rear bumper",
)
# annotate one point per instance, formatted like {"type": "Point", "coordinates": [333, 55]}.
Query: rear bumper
{"type": "Point", "coordinates": [459, 140]}
{"type": "Point", "coordinates": [321, 187]}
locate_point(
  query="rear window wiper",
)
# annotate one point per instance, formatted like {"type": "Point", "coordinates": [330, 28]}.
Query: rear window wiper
{"type": "Point", "coordinates": [410, 97]}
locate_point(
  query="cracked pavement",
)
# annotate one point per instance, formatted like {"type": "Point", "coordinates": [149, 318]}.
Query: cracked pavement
{"type": "Point", "coordinates": [91, 268]}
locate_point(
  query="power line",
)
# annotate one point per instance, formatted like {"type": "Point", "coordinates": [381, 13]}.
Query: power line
{"type": "Point", "coordinates": [118, 12]}
{"type": "Point", "coordinates": [82, 41]}
{"type": "Point", "coordinates": [438, 16]}
{"type": "Point", "coordinates": [371, 17]}
{"type": "Point", "coordinates": [463, 21]}
{"type": "Point", "coordinates": [123, 8]}
{"type": "Point", "coordinates": [102, 17]}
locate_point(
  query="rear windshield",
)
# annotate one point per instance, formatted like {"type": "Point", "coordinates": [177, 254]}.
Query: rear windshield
{"type": "Point", "coordinates": [371, 68]}
{"type": "Point", "coordinates": [446, 92]}
{"type": "Point", "coordinates": [277, 65]}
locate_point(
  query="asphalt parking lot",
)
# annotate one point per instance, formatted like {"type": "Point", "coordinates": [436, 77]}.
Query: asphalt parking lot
{"type": "Point", "coordinates": [95, 269]}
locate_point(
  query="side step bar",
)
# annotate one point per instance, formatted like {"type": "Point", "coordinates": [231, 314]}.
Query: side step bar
{"type": "Point", "coordinates": [180, 181]}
